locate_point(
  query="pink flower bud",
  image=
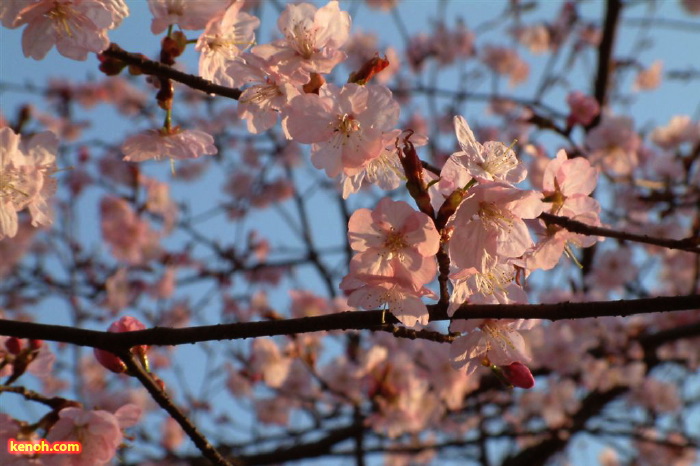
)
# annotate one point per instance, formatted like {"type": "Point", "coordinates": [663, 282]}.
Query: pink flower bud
{"type": "Point", "coordinates": [111, 361]}
{"type": "Point", "coordinates": [518, 375]}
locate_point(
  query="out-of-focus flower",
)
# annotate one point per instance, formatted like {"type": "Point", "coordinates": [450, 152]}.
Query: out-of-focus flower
{"type": "Point", "coordinates": [190, 14]}
{"type": "Point", "coordinates": [131, 238]}
{"type": "Point", "coordinates": [681, 129]}
{"type": "Point", "coordinates": [614, 144]}
{"type": "Point", "coordinates": [584, 108]}
{"type": "Point", "coordinates": [505, 61]}
{"type": "Point", "coordinates": [173, 144]}
{"type": "Point", "coordinates": [98, 431]}
{"type": "Point", "coordinates": [649, 78]}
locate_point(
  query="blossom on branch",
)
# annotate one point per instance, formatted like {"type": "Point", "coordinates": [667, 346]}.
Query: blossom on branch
{"type": "Point", "coordinates": [25, 181]}
{"type": "Point", "coordinates": [223, 39]}
{"type": "Point", "coordinates": [493, 161]}
{"type": "Point", "coordinates": [312, 38]}
{"type": "Point", "coordinates": [75, 27]}
{"type": "Point", "coordinates": [394, 240]}
{"type": "Point", "coordinates": [345, 125]}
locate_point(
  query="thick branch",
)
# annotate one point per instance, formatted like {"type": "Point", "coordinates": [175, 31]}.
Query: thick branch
{"type": "Point", "coordinates": [372, 320]}
{"type": "Point", "coordinates": [164, 71]}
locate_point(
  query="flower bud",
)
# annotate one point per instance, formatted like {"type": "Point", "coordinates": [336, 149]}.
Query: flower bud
{"type": "Point", "coordinates": [111, 361]}
{"type": "Point", "coordinates": [518, 375]}
{"type": "Point", "coordinates": [13, 345]}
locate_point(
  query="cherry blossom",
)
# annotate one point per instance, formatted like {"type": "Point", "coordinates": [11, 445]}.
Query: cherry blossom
{"type": "Point", "coordinates": [132, 240]}
{"type": "Point", "coordinates": [492, 161]}
{"type": "Point", "coordinates": [614, 145]}
{"type": "Point", "coordinates": [505, 61]}
{"type": "Point", "coordinates": [394, 240]}
{"type": "Point", "coordinates": [345, 126]}
{"type": "Point", "coordinates": [312, 38]}
{"type": "Point", "coordinates": [271, 91]}
{"type": "Point", "coordinates": [487, 342]}
{"type": "Point", "coordinates": [495, 286]}
{"type": "Point", "coordinates": [75, 27]}
{"type": "Point", "coordinates": [649, 78]}
{"type": "Point", "coordinates": [175, 143]}
{"type": "Point", "coordinates": [25, 181]}
{"type": "Point", "coordinates": [394, 294]}
{"type": "Point", "coordinates": [681, 129]}
{"type": "Point", "coordinates": [222, 41]}
{"type": "Point", "coordinates": [489, 226]}
{"type": "Point", "coordinates": [583, 108]}
{"type": "Point", "coordinates": [268, 362]}
{"type": "Point", "coordinates": [100, 434]}
{"type": "Point", "coordinates": [188, 14]}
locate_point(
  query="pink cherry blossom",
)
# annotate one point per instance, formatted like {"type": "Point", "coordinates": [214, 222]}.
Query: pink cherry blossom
{"type": "Point", "coordinates": [649, 78]}
{"type": "Point", "coordinates": [394, 294]}
{"type": "Point", "coordinates": [268, 362]}
{"type": "Point", "coordinates": [489, 226]}
{"type": "Point", "coordinates": [492, 161]}
{"type": "Point", "coordinates": [614, 145]}
{"type": "Point", "coordinates": [222, 41]}
{"type": "Point", "coordinates": [111, 361]}
{"type": "Point", "coordinates": [505, 61]}
{"type": "Point", "coordinates": [566, 185]}
{"type": "Point", "coordinates": [345, 126]}
{"type": "Point", "coordinates": [188, 14]}
{"type": "Point", "coordinates": [75, 27]}
{"type": "Point", "coordinates": [100, 434]}
{"type": "Point", "coordinates": [131, 238]}
{"type": "Point", "coordinates": [495, 286]}
{"type": "Point", "coordinates": [25, 181]}
{"type": "Point", "coordinates": [489, 342]}
{"type": "Point", "coordinates": [681, 129]}
{"type": "Point", "coordinates": [261, 103]}
{"type": "Point", "coordinates": [383, 5]}
{"type": "Point", "coordinates": [583, 108]}
{"type": "Point", "coordinates": [173, 144]}
{"type": "Point", "coordinates": [312, 38]}
{"type": "Point", "coordinates": [536, 38]}
{"type": "Point", "coordinates": [394, 240]}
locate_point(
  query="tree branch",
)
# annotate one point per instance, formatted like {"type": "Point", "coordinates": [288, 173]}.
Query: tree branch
{"type": "Point", "coordinates": [688, 244]}
{"type": "Point", "coordinates": [155, 68]}
{"type": "Point", "coordinates": [370, 320]}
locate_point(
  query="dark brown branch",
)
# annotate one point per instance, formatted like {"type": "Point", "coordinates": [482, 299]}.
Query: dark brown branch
{"type": "Point", "coordinates": [371, 320]}
{"type": "Point", "coordinates": [163, 400]}
{"type": "Point", "coordinates": [687, 244]}
{"type": "Point", "coordinates": [158, 69]}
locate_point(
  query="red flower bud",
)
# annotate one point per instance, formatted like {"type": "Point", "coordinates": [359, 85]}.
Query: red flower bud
{"type": "Point", "coordinates": [518, 375]}
{"type": "Point", "coordinates": [13, 345]}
